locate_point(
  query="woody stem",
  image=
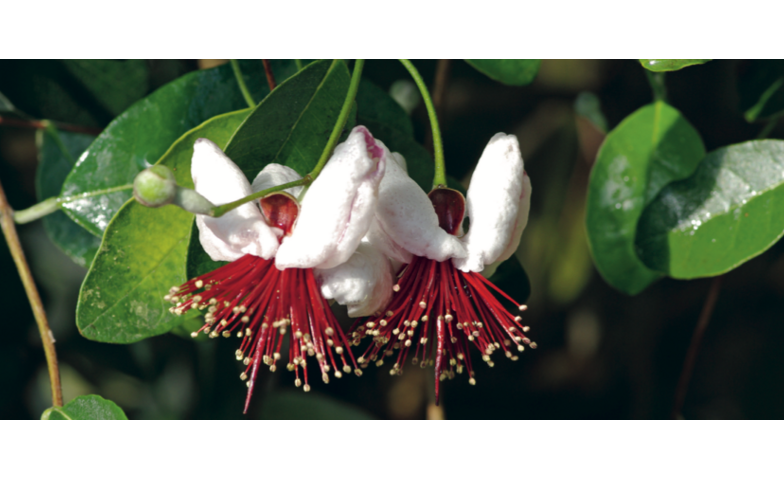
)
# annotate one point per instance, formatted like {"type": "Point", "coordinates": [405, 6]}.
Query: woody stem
{"type": "Point", "coordinates": [439, 179]}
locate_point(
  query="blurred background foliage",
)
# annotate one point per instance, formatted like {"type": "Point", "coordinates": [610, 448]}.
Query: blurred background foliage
{"type": "Point", "coordinates": [602, 354]}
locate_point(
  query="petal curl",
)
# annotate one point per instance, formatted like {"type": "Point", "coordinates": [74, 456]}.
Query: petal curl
{"type": "Point", "coordinates": [276, 174]}
{"type": "Point", "coordinates": [406, 216]}
{"type": "Point", "coordinates": [338, 208]}
{"type": "Point", "coordinates": [496, 204]}
{"type": "Point", "coordinates": [240, 231]}
{"type": "Point", "coordinates": [363, 283]}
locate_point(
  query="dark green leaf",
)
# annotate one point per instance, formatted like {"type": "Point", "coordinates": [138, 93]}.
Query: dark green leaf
{"type": "Point", "coordinates": [289, 405]}
{"type": "Point", "coordinates": [143, 254]}
{"type": "Point", "coordinates": [290, 126]}
{"type": "Point", "coordinates": [669, 65]}
{"type": "Point", "coordinates": [90, 407]}
{"type": "Point", "coordinates": [137, 138]}
{"type": "Point", "coordinates": [726, 213]}
{"type": "Point", "coordinates": [375, 105]}
{"type": "Point", "coordinates": [651, 148]}
{"type": "Point", "coordinates": [761, 88]}
{"type": "Point", "coordinates": [509, 72]}
{"type": "Point", "coordinates": [114, 84]}
{"type": "Point", "coordinates": [54, 163]}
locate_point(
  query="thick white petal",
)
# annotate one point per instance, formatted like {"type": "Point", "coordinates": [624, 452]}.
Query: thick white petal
{"type": "Point", "coordinates": [338, 208]}
{"type": "Point", "coordinates": [406, 215]}
{"type": "Point", "coordinates": [363, 283]}
{"type": "Point", "coordinates": [240, 231]}
{"type": "Point", "coordinates": [275, 174]}
{"type": "Point", "coordinates": [386, 244]}
{"type": "Point", "coordinates": [496, 204]}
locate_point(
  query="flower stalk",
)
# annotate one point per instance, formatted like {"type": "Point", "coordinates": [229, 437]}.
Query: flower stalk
{"type": "Point", "coordinates": [11, 237]}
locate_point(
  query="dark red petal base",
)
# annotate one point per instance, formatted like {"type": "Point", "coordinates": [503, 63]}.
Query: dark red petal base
{"type": "Point", "coordinates": [251, 299]}
{"type": "Point", "coordinates": [441, 310]}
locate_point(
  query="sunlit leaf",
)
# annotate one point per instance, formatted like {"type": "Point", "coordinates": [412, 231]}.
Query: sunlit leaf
{"type": "Point", "coordinates": [90, 407]}
{"type": "Point", "coordinates": [651, 148]}
{"type": "Point", "coordinates": [726, 213]}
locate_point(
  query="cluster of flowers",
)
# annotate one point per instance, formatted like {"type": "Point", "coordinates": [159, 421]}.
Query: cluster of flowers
{"type": "Point", "coordinates": [366, 236]}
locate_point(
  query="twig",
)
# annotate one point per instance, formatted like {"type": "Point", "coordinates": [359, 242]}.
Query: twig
{"type": "Point", "coordinates": [443, 68]}
{"type": "Point", "coordinates": [270, 76]}
{"type": "Point", "coordinates": [694, 347]}
{"type": "Point", "coordinates": [42, 125]}
{"type": "Point", "coordinates": [9, 230]}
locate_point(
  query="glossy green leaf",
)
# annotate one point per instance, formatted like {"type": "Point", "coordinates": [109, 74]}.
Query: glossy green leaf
{"type": "Point", "coordinates": [508, 72]}
{"type": "Point", "coordinates": [291, 126]}
{"type": "Point", "coordinates": [727, 212]}
{"type": "Point", "coordinates": [138, 137]}
{"type": "Point", "coordinates": [90, 407]}
{"type": "Point", "coordinates": [761, 89]}
{"type": "Point", "coordinates": [669, 65]}
{"type": "Point", "coordinates": [114, 84]}
{"type": "Point", "coordinates": [376, 105]}
{"type": "Point", "coordinates": [651, 148]}
{"type": "Point", "coordinates": [55, 161]}
{"type": "Point", "coordinates": [143, 254]}
{"type": "Point", "coordinates": [288, 405]}
{"type": "Point", "coordinates": [198, 261]}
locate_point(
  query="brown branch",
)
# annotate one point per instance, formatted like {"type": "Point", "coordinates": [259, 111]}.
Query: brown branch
{"type": "Point", "coordinates": [694, 347]}
{"type": "Point", "coordinates": [9, 230]}
{"type": "Point", "coordinates": [439, 93]}
{"type": "Point", "coordinates": [270, 76]}
{"type": "Point", "coordinates": [41, 125]}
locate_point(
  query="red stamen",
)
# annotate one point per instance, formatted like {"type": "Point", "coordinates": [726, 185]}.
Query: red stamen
{"type": "Point", "coordinates": [251, 298]}
{"type": "Point", "coordinates": [444, 309]}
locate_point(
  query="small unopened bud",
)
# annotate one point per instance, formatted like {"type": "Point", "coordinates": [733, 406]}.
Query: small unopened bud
{"type": "Point", "coordinates": [155, 186]}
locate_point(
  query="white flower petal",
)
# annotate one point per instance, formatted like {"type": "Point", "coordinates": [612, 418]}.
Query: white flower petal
{"type": "Point", "coordinates": [496, 204]}
{"type": "Point", "coordinates": [240, 231]}
{"type": "Point", "coordinates": [406, 215]}
{"type": "Point", "coordinates": [338, 208]}
{"type": "Point", "coordinates": [363, 283]}
{"type": "Point", "coordinates": [275, 174]}
{"type": "Point", "coordinates": [386, 244]}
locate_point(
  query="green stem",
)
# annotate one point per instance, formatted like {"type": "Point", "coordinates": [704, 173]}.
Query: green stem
{"type": "Point", "coordinates": [656, 80]}
{"type": "Point", "coordinates": [235, 65]}
{"type": "Point", "coordinates": [299, 64]}
{"type": "Point", "coordinates": [342, 118]}
{"type": "Point", "coordinates": [50, 205]}
{"type": "Point", "coordinates": [439, 180]}
{"type": "Point", "coordinates": [223, 209]}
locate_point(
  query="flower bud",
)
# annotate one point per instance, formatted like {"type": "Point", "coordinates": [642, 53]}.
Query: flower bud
{"type": "Point", "coordinates": [155, 186]}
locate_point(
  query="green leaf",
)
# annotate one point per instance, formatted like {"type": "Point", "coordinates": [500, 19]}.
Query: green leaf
{"type": "Point", "coordinates": [508, 72]}
{"type": "Point", "coordinates": [143, 254]}
{"type": "Point", "coordinates": [5, 104]}
{"type": "Point", "coordinates": [114, 84]}
{"type": "Point", "coordinates": [137, 138]}
{"type": "Point", "coordinates": [54, 163]}
{"type": "Point", "coordinates": [726, 213]}
{"type": "Point", "coordinates": [90, 407]}
{"type": "Point", "coordinates": [651, 148]}
{"type": "Point", "coordinates": [589, 107]}
{"type": "Point", "coordinates": [289, 405]}
{"type": "Point", "coordinates": [761, 89]}
{"type": "Point", "coordinates": [291, 127]}
{"type": "Point", "coordinates": [669, 65]}
{"type": "Point", "coordinates": [376, 105]}
{"type": "Point", "coordinates": [198, 261]}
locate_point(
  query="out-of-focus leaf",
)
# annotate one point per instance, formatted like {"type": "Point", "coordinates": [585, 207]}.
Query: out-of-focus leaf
{"type": "Point", "coordinates": [290, 127]}
{"type": "Point", "coordinates": [143, 254]}
{"type": "Point", "coordinates": [54, 164]}
{"type": "Point", "coordinates": [727, 212]}
{"type": "Point", "coordinates": [90, 407]}
{"type": "Point", "coordinates": [669, 65]}
{"type": "Point", "coordinates": [115, 84]}
{"type": "Point", "coordinates": [139, 136]}
{"type": "Point", "coordinates": [289, 405]}
{"type": "Point", "coordinates": [508, 72]}
{"type": "Point", "coordinates": [588, 106]}
{"type": "Point", "coordinates": [761, 89]}
{"type": "Point", "coordinates": [5, 104]}
{"type": "Point", "coordinates": [651, 148]}
{"type": "Point", "coordinates": [513, 280]}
